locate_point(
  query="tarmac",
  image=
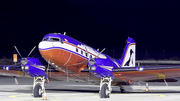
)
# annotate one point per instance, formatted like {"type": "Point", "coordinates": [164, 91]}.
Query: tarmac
{"type": "Point", "coordinates": [21, 90]}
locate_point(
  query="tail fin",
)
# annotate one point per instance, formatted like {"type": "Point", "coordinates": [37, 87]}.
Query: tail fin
{"type": "Point", "coordinates": [128, 58]}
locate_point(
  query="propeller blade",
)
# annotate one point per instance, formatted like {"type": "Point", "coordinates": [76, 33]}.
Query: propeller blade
{"type": "Point", "coordinates": [17, 51]}
{"type": "Point", "coordinates": [89, 73]}
{"type": "Point", "coordinates": [100, 52]}
{"type": "Point", "coordinates": [31, 51]}
{"type": "Point", "coordinates": [91, 62]}
{"type": "Point", "coordinates": [23, 71]}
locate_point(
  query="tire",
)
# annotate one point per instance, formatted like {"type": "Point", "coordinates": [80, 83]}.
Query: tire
{"type": "Point", "coordinates": [103, 92]}
{"type": "Point", "coordinates": [37, 91]}
{"type": "Point", "coordinates": [122, 90]}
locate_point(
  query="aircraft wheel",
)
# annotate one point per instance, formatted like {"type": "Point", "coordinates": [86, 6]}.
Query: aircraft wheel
{"type": "Point", "coordinates": [104, 91]}
{"type": "Point", "coordinates": [37, 91]}
{"type": "Point", "coordinates": [122, 90]}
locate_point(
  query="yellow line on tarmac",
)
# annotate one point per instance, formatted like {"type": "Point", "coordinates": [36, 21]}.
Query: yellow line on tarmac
{"type": "Point", "coordinates": [20, 96]}
{"type": "Point", "coordinates": [90, 95]}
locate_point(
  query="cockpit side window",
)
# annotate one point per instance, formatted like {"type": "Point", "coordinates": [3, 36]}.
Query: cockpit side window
{"type": "Point", "coordinates": [54, 39]}
{"type": "Point", "coordinates": [45, 39]}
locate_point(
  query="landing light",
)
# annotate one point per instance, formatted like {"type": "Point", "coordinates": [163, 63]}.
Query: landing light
{"type": "Point", "coordinates": [26, 67]}
{"type": "Point", "coordinates": [140, 69]}
{"type": "Point", "coordinates": [7, 68]}
{"type": "Point", "coordinates": [93, 68]}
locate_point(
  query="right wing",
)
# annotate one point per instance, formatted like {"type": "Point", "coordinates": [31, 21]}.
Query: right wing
{"type": "Point", "coordinates": [141, 73]}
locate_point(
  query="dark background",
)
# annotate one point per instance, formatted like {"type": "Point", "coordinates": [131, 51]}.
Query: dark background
{"type": "Point", "coordinates": [154, 25]}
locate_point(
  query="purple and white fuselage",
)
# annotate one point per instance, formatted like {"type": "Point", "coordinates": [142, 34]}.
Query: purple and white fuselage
{"type": "Point", "coordinates": [62, 51]}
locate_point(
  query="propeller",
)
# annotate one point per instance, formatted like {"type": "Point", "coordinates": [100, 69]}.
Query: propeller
{"type": "Point", "coordinates": [91, 61]}
{"type": "Point", "coordinates": [100, 52]}
{"type": "Point", "coordinates": [24, 61]}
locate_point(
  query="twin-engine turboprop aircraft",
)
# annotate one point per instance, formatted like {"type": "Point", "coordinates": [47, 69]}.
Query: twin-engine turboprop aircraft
{"type": "Point", "coordinates": [76, 61]}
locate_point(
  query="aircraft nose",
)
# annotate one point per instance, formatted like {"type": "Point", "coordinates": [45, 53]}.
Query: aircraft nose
{"type": "Point", "coordinates": [43, 45]}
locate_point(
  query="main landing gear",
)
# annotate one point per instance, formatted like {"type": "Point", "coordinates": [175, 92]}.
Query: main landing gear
{"type": "Point", "coordinates": [38, 86]}
{"type": "Point", "coordinates": [105, 87]}
{"type": "Point", "coordinates": [122, 89]}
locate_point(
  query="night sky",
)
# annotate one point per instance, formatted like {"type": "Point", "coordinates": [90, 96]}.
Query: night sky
{"type": "Point", "coordinates": [154, 25]}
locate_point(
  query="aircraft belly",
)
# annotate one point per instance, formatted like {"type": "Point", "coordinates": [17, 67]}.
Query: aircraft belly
{"type": "Point", "coordinates": [64, 60]}
{"type": "Point", "coordinates": [81, 77]}
{"type": "Point", "coordinates": [147, 75]}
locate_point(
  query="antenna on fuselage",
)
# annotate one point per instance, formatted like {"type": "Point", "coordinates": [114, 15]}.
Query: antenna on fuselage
{"type": "Point", "coordinates": [64, 33]}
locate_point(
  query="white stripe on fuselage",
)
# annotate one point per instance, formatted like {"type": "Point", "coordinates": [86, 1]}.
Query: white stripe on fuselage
{"type": "Point", "coordinates": [71, 47]}
{"type": "Point", "coordinates": [107, 67]}
{"type": "Point", "coordinates": [39, 67]}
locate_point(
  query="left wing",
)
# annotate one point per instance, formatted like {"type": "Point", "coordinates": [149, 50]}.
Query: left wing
{"type": "Point", "coordinates": [9, 70]}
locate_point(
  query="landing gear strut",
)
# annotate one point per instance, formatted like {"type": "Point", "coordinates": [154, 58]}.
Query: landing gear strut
{"type": "Point", "coordinates": [105, 87]}
{"type": "Point", "coordinates": [122, 89]}
{"type": "Point", "coordinates": [38, 86]}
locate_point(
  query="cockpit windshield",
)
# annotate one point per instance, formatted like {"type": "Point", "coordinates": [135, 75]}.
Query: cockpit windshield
{"type": "Point", "coordinates": [52, 39]}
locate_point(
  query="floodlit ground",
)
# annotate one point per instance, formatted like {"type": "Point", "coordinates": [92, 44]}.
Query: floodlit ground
{"type": "Point", "coordinates": [68, 91]}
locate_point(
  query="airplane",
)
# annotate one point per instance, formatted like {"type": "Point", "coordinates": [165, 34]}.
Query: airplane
{"type": "Point", "coordinates": [71, 60]}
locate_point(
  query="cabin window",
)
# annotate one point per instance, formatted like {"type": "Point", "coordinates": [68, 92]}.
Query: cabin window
{"type": "Point", "coordinates": [62, 41]}
{"type": "Point", "coordinates": [81, 52]}
{"type": "Point", "coordinates": [90, 56]}
{"type": "Point", "coordinates": [76, 49]}
{"type": "Point", "coordinates": [54, 39]}
{"type": "Point", "coordinates": [45, 39]}
{"type": "Point", "coordinates": [86, 54]}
